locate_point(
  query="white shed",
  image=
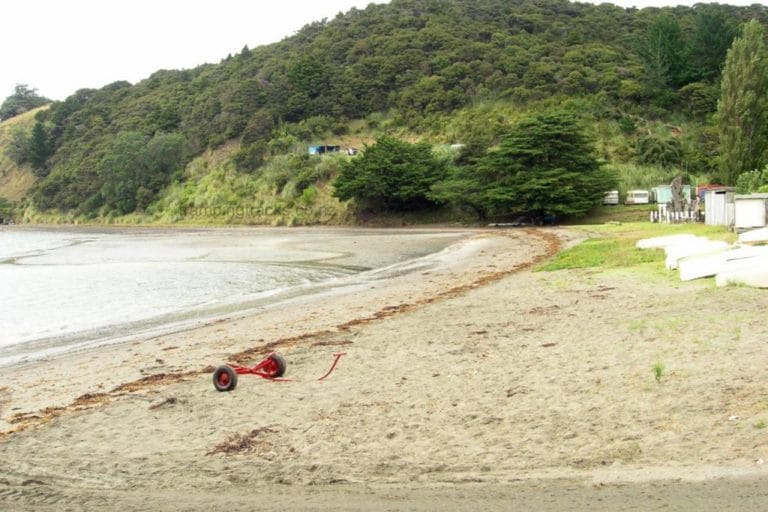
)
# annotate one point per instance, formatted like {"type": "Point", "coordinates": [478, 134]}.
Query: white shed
{"type": "Point", "coordinates": [751, 211]}
{"type": "Point", "coordinates": [719, 208]}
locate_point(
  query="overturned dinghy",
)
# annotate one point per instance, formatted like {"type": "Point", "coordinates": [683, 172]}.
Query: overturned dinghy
{"type": "Point", "coordinates": [755, 236]}
{"type": "Point", "coordinates": [719, 261]}
{"type": "Point", "coordinates": [691, 248]}
{"type": "Point", "coordinates": [662, 242]}
{"type": "Point", "coordinates": [753, 272]}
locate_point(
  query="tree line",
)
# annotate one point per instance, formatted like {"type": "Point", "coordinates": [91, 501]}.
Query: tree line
{"type": "Point", "coordinates": [544, 168]}
{"type": "Point", "coordinates": [415, 61]}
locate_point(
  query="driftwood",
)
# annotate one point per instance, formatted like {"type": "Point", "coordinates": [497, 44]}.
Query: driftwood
{"type": "Point", "coordinates": [677, 194]}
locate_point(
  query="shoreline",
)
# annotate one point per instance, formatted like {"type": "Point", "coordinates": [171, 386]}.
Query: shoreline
{"type": "Point", "coordinates": [478, 383]}
{"type": "Point", "coordinates": [41, 407]}
{"type": "Point", "coordinates": [342, 255]}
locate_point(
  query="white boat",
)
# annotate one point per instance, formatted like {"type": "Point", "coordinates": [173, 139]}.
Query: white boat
{"type": "Point", "coordinates": [716, 262]}
{"type": "Point", "coordinates": [699, 246]}
{"type": "Point", "coordinates": [754, 236]}
{"type": "Point", "coordinates": [660, 242]}
{"type": "Point", "coordinates": [752, 272]}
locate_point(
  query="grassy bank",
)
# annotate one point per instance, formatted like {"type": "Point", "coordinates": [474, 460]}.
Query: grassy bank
{"type": "Point", "coordinates": [613, 245]}
{"type": "Point", "coordinates": [15, 180]}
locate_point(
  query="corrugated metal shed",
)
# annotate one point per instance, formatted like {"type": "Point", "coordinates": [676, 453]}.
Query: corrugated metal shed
{"type": "Point", "coordinates": [719, 209]}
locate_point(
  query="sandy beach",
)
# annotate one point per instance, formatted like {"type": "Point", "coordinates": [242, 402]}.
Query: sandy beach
{"type": "Point", "coordinates": [478, 384]}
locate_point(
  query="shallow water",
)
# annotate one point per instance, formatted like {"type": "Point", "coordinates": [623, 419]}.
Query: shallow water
{"type": "Point", "coordinates": [67, 289]}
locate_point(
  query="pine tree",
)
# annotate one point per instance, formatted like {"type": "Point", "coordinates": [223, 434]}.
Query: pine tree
{"type": "Point", "coordinates": [663, 54]}
{"type": "Point", "coordinates": [544, 166]}
{"type": "Point", "coordinates": [712, 36]}
{"type": "Point", "coordinates": [391, 175]}
{"type": "Point", "coordinates": [39, 149]}
{"type": "Point", "coordinates": [742, 112]}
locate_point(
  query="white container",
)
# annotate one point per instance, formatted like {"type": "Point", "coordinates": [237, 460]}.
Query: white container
{"type": "Point", "coordinates": [611, 197]}
{"type": "Point", "coordinates": [638, 197]}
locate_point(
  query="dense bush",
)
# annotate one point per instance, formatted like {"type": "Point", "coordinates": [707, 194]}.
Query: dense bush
{"type": "Point", "coordinates": [22, 100]}
{"type": "Point", "coordinates": [408, 65]}
{"type": "Point", "coordinates": [136, 167]}
{"type": "Point", "coordinates": [391, 175]}
{"type": "Point", "coordinates": [544, 166]}
{"type": "Point", "coordinates": [753, 181]}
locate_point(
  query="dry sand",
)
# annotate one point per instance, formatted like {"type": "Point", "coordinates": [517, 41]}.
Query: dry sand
{"type": "Point", "coordinates": [476, 385]}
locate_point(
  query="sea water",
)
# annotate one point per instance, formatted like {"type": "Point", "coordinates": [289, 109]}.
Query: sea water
{"type": "Point", "coordinates": [67, 289]}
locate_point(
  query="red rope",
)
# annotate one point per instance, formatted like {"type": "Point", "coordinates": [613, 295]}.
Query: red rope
{"type": "Point", "coordinates": [335, 362]}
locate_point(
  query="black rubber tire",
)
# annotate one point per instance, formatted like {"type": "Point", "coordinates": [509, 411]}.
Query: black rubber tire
{"type": "Point", "coordinates": [224, 378]}
{"type": "Point", "coordinates": [281, 364]}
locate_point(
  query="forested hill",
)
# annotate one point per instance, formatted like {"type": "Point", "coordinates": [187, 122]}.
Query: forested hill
{"type": "Point", "coordinates": [414, 63]}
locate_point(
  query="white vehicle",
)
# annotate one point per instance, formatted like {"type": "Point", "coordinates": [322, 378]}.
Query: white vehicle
{"type": "Point", "coordinates": [638, 197]}
{"type": "Point", "coordinates": [611, 197]}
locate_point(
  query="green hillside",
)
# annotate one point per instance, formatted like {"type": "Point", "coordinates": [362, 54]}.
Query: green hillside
{"type": "Point", "coordinates": [228, 142]}
{"type": "Point", "coordinates": [15, 179]}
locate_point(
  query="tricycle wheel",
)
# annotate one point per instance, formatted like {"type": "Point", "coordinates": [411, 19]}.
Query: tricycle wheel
{"type": "Point", "coordinates": [224, 378]}
{"type": "Point", "coordinates": [279, 364]}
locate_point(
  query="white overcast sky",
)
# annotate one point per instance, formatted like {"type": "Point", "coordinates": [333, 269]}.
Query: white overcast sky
{"type": "Point", "coordinates": [59, 46]}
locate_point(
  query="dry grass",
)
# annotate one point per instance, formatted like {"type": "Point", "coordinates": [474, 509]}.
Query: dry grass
{"type": "Point", "coordinates": [15, 181]}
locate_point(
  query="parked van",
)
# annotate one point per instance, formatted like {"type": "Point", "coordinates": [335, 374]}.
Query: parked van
{"type": "Point", "coordinates": [611, 197]}
{"type": "Point", "coordinates": [638, 197]}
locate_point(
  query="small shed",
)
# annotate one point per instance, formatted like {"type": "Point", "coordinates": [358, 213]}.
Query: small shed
{"type": "Point", "coordinates": [751, 211]}
{"type": "Point", "coordinates": [719, 209]}
{"type": "Point", "coordinates": [704, 188]}
{"type": "Point", "coordinates": [323, 149]}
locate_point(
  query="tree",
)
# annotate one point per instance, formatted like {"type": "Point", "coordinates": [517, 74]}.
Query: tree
{"type": "Point", "coordinates": [136, 167]}
{"type": "Point", "coordinates": [120, 171]}
{"type": "Point", "coordinates": [699, 98]}
{"type": "Point", "coordinates": [663, 53]}
{"type": "Point", "coordinates": [544, 166]}
{"type": "Point", "coordinates": [654, 150]}
{"type": "Point", "coordinates": [39, 149]}
{"type": "Point", "coordinates": [391, 175]}
{"type": "Point", "coordinates": [742, 112]}
{"type": "Point", "coordinates": [22, 100]}
{"type": "Point", "coordinates": [18, 145]}
{"type": "Point", "coordinates": [752, 181]}
{"type": "Point", "coordinates": [711, 38]}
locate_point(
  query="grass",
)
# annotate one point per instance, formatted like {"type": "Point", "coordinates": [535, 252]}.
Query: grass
{"type": "Point", "coordinates": [619, 213]}
{"type": "Point", "coordinates": [658, 371]}
{"type": "Point", "coordinates": [15, 180]}
{"type": "Point", "coordinates": [603, 253]}
{"type": "Point", "coordinates": [613, 246]}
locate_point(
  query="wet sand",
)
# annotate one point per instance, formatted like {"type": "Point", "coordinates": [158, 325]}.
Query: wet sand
{"type": "Point", "coordinates": [478, 384]}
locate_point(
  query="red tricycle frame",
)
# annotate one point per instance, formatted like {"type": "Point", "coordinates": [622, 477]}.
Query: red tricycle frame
{"type": "Point", "coordinates": [271, 368]}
